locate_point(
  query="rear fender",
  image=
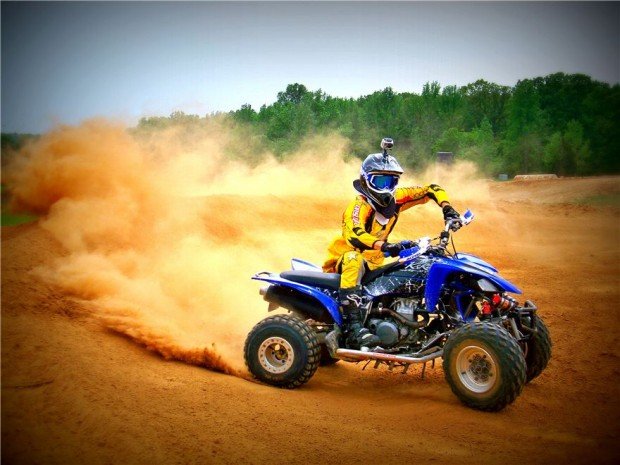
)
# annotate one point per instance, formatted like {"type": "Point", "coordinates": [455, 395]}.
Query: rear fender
{"type": "Point", "coordinates": [442, 269]}
{"type": "Point", "coordinates": [299, 264]}
{"type": "Point", "coordinates": [323, 300]}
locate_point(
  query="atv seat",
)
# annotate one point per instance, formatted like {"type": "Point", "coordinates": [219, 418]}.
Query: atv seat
{"type": "Point", "coordinates": [371, 275]}
{"type": "Point", "coordinates": [313, 278]}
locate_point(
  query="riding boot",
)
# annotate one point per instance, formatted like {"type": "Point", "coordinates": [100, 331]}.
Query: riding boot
{"type": "Point", "coordinates": [352, 317]}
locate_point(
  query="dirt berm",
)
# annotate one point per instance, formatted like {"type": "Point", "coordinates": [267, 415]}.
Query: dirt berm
{"type": "Point", "coordinates": [75, 392]}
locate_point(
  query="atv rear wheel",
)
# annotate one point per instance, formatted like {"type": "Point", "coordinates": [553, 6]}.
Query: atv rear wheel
{"type": "Point", "coordinates": [484, 366]}
{"type": "Point", "coordinates": [282, 350]}
{"type": "Point", "coordinates": [538, 350]}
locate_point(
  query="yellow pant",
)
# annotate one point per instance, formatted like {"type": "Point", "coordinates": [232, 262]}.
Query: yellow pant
{"type": "Point", "coordinates": [351, 266]}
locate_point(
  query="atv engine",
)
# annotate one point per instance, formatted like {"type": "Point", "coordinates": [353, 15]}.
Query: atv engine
{"type": "Point", "coordinates": [397, 324]}
{"type": "Point", "coordinates": [406, 307]}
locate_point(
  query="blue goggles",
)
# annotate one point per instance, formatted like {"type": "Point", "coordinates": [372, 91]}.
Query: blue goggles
{"type": "Point", "coordinates": [383, 181]}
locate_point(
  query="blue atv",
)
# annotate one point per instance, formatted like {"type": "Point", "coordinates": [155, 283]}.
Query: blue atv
{"type": "Point", "coordinates": [428, 304]}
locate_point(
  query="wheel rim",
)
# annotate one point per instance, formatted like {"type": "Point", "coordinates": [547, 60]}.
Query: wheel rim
{"type": "Point", "coordinates": [276, 355]}
{"type": "Point", "coordinates": [476, 369]}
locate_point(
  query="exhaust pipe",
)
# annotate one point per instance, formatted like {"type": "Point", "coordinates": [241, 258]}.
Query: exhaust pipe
{"type": "Point", "coordinates": [360, 355]}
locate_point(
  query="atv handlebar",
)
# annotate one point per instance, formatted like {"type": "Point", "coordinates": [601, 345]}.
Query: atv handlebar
{"type": "Point", "coordinates": [411, 248]}
{"type": "Point", "coordinates": [455, 224]}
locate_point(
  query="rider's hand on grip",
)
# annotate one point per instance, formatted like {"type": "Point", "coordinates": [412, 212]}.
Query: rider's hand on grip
{"type": "Point", "coordinates": [449, 213]}
{"type": "Point", "coordinates": [406, 244]}
{"type": "Point", "coordinates": [391, 250]}
{"type": "Point", "coordinates": [456, 225]}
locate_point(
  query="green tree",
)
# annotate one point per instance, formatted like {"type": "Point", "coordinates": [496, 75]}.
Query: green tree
{"type": "Point", "coordinates": [523, 143]}
{"type": "Point", "coordinates": [485, 100]}
{"type": "Point", "coordinates": [294, 94]}
{"type": "Point", "coordinates": [483, 148]}
{"type": "Point", "coordinates": [568, 153]}
{"type": "Point", "coordinates": [245, 114]}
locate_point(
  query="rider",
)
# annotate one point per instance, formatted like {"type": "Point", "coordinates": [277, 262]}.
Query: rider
{"type": "Point", "coordinates": [366, 225]}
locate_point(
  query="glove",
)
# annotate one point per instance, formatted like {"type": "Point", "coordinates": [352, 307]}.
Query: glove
{"type": "Point", "coordinates": [450, 213]}
{"type": "Point", "coordinates": [406, 244]}
{"type": "Point", "coordinates": [391, 249]}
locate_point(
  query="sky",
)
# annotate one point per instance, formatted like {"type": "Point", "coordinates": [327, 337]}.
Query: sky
{"type": "Point", "coordinates": [63, 62]}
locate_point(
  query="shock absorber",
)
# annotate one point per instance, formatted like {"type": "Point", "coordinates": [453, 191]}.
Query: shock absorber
{"type": "Point", "coordinates": [497, 303]}
{"type": "Point", "coordinates": [503, 303]}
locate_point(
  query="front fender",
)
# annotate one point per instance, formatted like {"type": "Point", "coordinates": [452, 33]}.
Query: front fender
{"type": "Point", "coordinates": [326, 301]}
{"type": "Point", "coordinates": [470, 259]}
{"type": "Point", "coordinates": [441, 269]}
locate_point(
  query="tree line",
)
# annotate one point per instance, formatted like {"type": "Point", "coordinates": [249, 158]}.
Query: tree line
{"type": "Point", "coordinates": [568, 124]}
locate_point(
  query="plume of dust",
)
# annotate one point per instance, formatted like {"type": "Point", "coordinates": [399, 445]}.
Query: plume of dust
{"type": "Point", "coordinates": [466, 189]}
{"type": "Point", "coordinates": [163, 236]}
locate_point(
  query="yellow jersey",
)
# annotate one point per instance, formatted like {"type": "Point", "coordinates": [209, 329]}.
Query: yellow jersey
{"type": "Point", "coordinates": [362, 226]}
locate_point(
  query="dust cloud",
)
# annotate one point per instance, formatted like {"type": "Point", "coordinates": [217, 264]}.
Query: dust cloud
{"type": "Point", "coordinates": [162, 233]}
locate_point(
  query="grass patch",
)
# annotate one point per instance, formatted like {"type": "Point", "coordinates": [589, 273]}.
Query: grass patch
{"type": "Point", "coordinates": [12, 219]}
{"type": "Point", "coordinates": [608, 200]}
{"type": "Point", "coordinates": [9, 219]}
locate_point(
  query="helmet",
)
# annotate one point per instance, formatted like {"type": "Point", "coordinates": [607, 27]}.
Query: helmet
{"type": "Point", "coordinates": [379, 176]}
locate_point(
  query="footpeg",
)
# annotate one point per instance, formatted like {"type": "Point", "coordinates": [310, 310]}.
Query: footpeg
{"type": "Point", "coordinates": [331, 341]}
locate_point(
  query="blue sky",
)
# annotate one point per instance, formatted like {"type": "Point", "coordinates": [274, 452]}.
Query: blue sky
{"type": "Point", "coordinates": [63, 62]}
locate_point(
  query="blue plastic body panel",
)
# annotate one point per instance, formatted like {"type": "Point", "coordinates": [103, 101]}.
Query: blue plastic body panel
{"type": "Point", "coordinates": [441, 269]}
{"type": "Point", "coordinates": [330, 304]}
{"type": "Point", "coordinates": [474, 260]}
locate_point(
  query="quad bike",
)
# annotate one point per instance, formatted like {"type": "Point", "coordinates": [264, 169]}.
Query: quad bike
{"type": "Point", "coordinates": [428, 304]}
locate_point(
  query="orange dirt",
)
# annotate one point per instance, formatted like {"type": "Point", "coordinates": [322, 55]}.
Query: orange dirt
{"type": "Point", "coordinates": [76, 392]}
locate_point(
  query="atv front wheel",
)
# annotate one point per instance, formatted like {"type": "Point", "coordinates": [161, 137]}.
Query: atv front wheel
{"type": "Point", "coordinates": [538, 350]}
{"type": "Point", "coordinates": [484, 366]}
{"type": "Point", "coordinates": [282, 350]}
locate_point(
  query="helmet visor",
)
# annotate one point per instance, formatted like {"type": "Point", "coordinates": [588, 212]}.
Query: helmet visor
{"type": "Point", "coordinates": [383, 181]}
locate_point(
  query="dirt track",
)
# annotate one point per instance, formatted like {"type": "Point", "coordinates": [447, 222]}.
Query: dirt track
{"type": "Point", "coordinates": [74, 392]}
